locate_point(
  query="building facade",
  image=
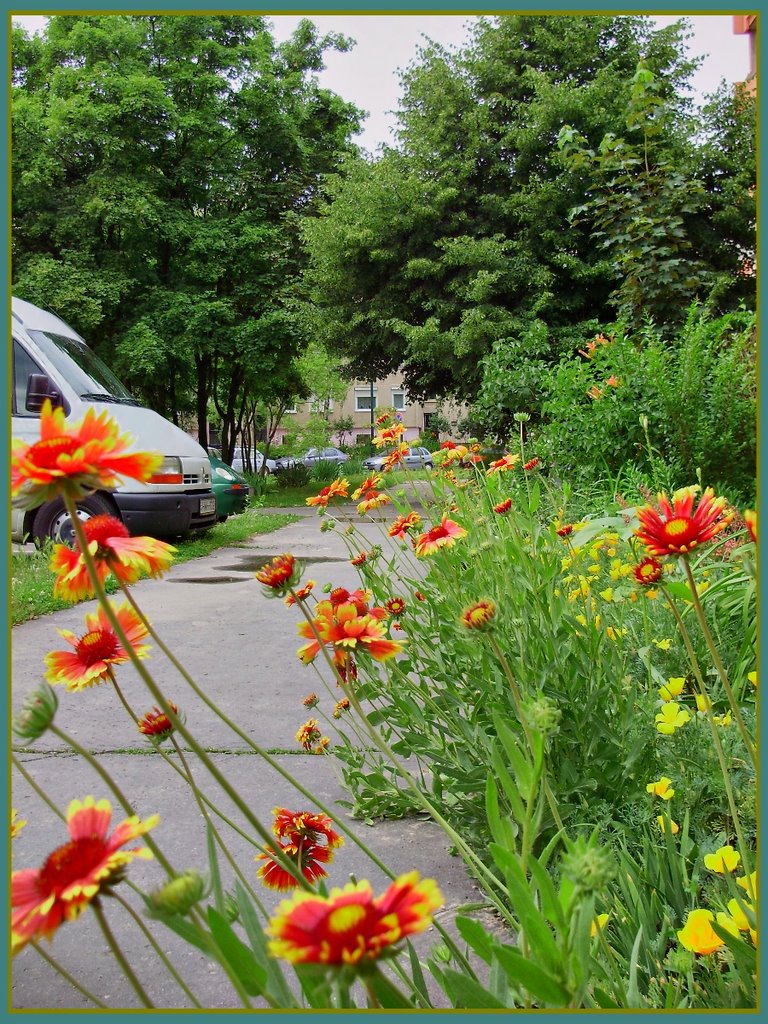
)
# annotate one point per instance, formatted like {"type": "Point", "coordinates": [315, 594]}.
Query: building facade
{"type": "Point", "coordinates": [360, 404]}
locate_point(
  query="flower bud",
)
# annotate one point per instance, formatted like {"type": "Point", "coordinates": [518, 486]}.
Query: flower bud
{"type": "Point", "coordinates": [177, 896]}
{"type": "Point", "coordinates": [36, 714]}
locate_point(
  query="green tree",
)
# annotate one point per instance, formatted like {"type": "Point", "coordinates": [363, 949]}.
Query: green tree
{"type": "Point", "coordinates": [162, 165]}
{"type": "Point", "coordinates": [458, 241]}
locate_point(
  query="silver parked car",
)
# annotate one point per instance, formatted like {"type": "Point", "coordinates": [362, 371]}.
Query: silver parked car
{"type": "Point", "coordinates": [313, 456]}
{"type": "Point", "coordinates": [256, 460]}
{"type": "Point", "coordinates": [415, 458]}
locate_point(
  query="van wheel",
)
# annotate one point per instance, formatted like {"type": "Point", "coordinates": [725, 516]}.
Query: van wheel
{"type": "Point", "coordinates": [53, 522]}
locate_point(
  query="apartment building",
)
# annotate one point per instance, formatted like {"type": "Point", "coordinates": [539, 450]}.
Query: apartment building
{"type": "Point", "coordinates": [364, 397]}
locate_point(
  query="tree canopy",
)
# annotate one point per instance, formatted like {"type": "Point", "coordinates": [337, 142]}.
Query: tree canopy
{"type": "Point", "coordinates": [459, 243]}
{"type": "Point", "coordinates": [161, 167]}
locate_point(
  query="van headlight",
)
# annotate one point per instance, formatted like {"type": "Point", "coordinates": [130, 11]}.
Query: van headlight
{"type": "Point", "coordinates": [169, 472]}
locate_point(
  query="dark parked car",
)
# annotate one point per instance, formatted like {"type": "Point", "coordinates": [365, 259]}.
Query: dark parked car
{"type": "Point", "coordinates": [415, 458]}
{"type": "Point", "coordinates": [229, 487]}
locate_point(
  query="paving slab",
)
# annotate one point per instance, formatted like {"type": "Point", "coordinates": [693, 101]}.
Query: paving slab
{"type": "Point", "coordinates": [240, 647]}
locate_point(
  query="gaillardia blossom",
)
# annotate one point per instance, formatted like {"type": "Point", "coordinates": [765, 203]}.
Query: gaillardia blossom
{"type": "Point", "coordinates": [96, 650]}
{"type": "Point", "coordinates": [337, 489]}
{"type": "Point", "coordinates": [676, 528]}
{"type": "Point", "coordinates": [279, 575]}
{"type": "Point", "coordinates": [445, 534]}
{"type": "Point", "coordinates": [91, 455]}
{"type": "Point", "coordinates": [113, 550]}
{"type": "Point", "coordinates": [648, 571]}
{"type": "Point", "coordinates": [479, 615]}
{"type": "Point", "coordinates": [373, 499]}
{"type": "Point", "coordinates": [503, 507]}
{"type": "Point", "coordinates": [351, 925]}
{"type": "Point", "coordinates": [503, 464]}
{"type": "Point", "coordinates": [401, 525]}
{"type": "Point", "coordinates": [74, 874]}
{"type": "Point", "coordinates": [369, 484]}
{"type": "Point", "coordinates": [156, 725]}
{"type": "Point", "coordinates": [306, 839]}
{"type": "Point", "coordinates": [343, 628]}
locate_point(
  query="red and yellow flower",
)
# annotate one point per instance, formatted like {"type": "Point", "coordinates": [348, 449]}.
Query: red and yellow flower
{"type": "Point", "coordinates": [360, 559]}
{"type": "Point", "coordinates": [338, 489]}
{"type": "Point", "coordinates": [301, 594]}
{"type": "Point", "coordinates": [503, 464]}
{"type": "Point", "coordinates": [343, 628]}
{"type": "Point", "coordinates": [395, 605]}
{"type": "Point", "coordinates": [113, 550]}
{"type": "Point", "coordinates": [676, 528]}
{"type": "Point", "coordinates": [445, 534]}
{"type": "Point", "coordinates": [503, 507]}
{"type": "Point", "coordinates": [373, 499]}
{"type": "Point", "coordinates": [75, 873]}
{"type": "Point", "coordinates": [648, 571]}
{"type": "Point", "coordinates": [401, 525]}
{"type": "Point", "coordinates": [395, 457]}
{"type": "Point", "coordinates": [279, 575]}
{"type": "Point", "coordinates": [531, 464]}
{"type": "Point", "coordinates": [306, 839]}
{"type": "Point", "coordinates": [97, 650]}
{"type": "Point", "coordinates": [369, 484]}
{"type": "Point", "coordinates": [351, 925]}
{"type": "Point", "coordinates": [156, 725]}
{"type": "Point", "coordinates": [92, 455]}
{"type": "Point", "coordinates": [750, 521]}
{"type": "Point", "coordinates": [479, 615]}
{"type": "Point", "coordinates": [308, 734]}
{"type": "Point", "coordinates": [389, 435]}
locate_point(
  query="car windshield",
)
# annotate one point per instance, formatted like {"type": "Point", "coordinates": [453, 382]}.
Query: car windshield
{"type": "Point", "coordinates": [88, 375]}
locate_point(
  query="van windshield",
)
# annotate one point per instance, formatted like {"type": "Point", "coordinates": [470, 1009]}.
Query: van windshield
{"type": "Point", "coordinates": [87, 374]}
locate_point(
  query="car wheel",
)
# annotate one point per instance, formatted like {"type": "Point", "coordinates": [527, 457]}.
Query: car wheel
{"type": "Point", "coordinates": [428, 465]}
{"type": "Point", "coordinates": [53, 521]}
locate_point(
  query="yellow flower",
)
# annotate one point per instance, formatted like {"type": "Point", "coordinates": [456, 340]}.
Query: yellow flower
{"type": "Point", "coordinates": [663, 645]}
{"type": "Point", "coordinates": [739, 917]}
{"type": "Point", "coordinates": [752, 677]}
{"type": "Point", "coordinates": [749, 884]}
{"type": "Point", "coordinates": [727, 923]}
{"type": "Point", "coordinates": [703, 703]}
{"type": "Point", "coordinates": [673, 688]}
{"type": "Point", "coordinates": [16, 826]}
{"type": "Point", "coordinates": [673, 826]}
{"type": "Point", "coordinates": [661, 788]}
{"type": "Point", "coordinates": [651, 594]}
{"type": "Point", "coordinates": [598, 924]}
{"type": "Point", "coordinates": [722, 719]}
{"type": "Point", "coordinates": [594, 569]}
{"type": "Point", "coordinates": [722, 860]}
{"type": "Point", "coordinates": [607, 594]}
{"type": "Point", "coordinates": [698, 935]}
{"type": "Point", "coordinates": [613, 633]}
{"type": "Point", "coordinates": [671, 717]}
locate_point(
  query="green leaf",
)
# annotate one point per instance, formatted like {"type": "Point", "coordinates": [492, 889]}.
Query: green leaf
{"type": "Point", "coordinates": [277, 987]}
{"type": "Point", "coordinates": [213, 866]}
{"type": "Point", "coordinates": [680, 590]}
{"type": "Point", "coordinates": [389, 996]}
{"type": "Point", "coordinates": [476, 937]}
{"type": "Point", "coordinates": [533, 978]}
{"type": "Point", "coordinates": [182, 927]}
{"type": "Point", "coordinates": [466, 993]}
{"type": "Point", "coordinates": [508, 784]}
{"type": "Point", "coordinates": [634, 999]}
{"type": "Point", "coordinates": [532, 921]}
{"type": "Point", "coordinates": [236, 954]}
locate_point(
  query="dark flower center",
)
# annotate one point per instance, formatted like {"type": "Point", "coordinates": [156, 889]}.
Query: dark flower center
{"type": "Point", "coordinates": [45, 454]}
{"type": "Point", "coordinates": [71, 862]}
{"type": "Point", "coordinates": [98, 645]}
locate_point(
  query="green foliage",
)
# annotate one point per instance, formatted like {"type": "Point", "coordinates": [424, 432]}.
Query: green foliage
{"type": "Point", "coordinates": [293, 476]}
{"type": "Point", "coordinates": [697, 394]}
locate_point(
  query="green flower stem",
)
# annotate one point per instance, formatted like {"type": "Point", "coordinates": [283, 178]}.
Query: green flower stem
{"type": "Point", "coordinates": [526, 728]}
{"type": "Point", "coordinates": [469, 856]}
{"type": "Point", "coordinates": [157, 693]}
{"type": "Point", "coordinates": [121, 798]}
{"type": "Point", "coordinates": [713, 729]}
{"type": "Point", "coordinates": [748, 743]}
{"type": "Point", "coordinates": [223, 962]}
{"type": "Point", "coordinates": [187, 772]}
{"type": "Point", "coordinates": [52, 962]}
{"type": "Point", "coordinates": [43, 796]}
{"type": "Point", "coordinates": [119, 955]}
{"type": "Point", "coordinates": [156, 946]}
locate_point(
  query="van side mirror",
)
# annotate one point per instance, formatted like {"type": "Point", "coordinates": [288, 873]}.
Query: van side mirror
{"type": "Point", "coordinates": [39, 387]}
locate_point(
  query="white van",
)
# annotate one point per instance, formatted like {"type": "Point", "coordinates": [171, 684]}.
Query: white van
{"type": "Point", "coordinates": [51, 360]}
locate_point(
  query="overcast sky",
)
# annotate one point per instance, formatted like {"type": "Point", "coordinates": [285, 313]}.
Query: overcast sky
{"type": "Point", "coordinates": [368, 74]}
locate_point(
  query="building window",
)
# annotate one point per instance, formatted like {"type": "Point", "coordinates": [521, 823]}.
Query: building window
{"type": "Point", "coordinates": [364, 401]}
{"type": "Point", "coordinates": [362, 439]}
{"type": "Point", "coordinates": [398, 399]}
{"type": "Point", "coordinates": [321, 405]}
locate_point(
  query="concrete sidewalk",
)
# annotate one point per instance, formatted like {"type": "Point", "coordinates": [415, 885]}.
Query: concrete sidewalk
{"type": "Point", "coordinates": [240, 647]}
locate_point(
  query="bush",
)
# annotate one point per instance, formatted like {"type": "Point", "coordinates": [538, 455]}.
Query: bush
{"type": "Point", "coordinates": [297, 475]}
